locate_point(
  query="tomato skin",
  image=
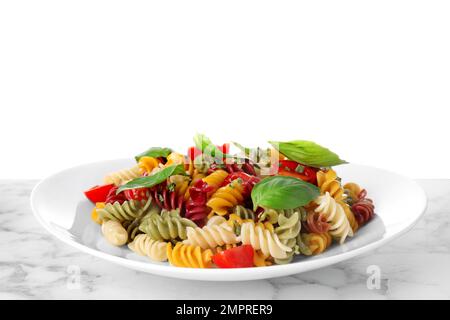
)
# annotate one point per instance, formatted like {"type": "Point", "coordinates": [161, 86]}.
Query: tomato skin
{"type": "Point", "coordinates": [98, 193]}
{"type": "Point", "coordinates": [288, 168]}
{"type": "Point", "coordinates": [136, 194]}
{"type": "Point", "coordinates": [237, 257]}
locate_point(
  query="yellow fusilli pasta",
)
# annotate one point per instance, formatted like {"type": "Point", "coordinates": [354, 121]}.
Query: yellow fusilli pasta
{"type": "Point", "coordinates": [216, 178]}
{"type": "Point", "coordinates": [226, 198]}
{"type": "Point", "coordinates": [353, 190]}
{"type": "Point", "coordinates": [188, 256]}
{"type": "Point", "coordinates": [147, 164]}
{"type": "Point", "coordinates": [317, 242]}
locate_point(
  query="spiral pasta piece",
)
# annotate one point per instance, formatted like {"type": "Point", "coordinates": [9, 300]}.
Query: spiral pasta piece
{"type": "Point", "coordinates": [339, 225]}
{"type": "Point", "coordinates": [216, 178]}
{"type": "Point", "coordinates": [210, 236]}
{"type": "Point", "coordinates": [181, 184]}
{"type": "Point", "coordinates": [287, 231]}
{"type": "Point", "coordinates": [128, 210]}
{"type": "Point", "coordinates": [263, 239]}
{"type": "Point", "coordinates": [147, 164]}
{"type": "Point", "coordinates": [226, 198]}
{"type": "Point", "coordinates": [350, 216]}
{"type": "Point", "coordinates": [146, 246]}
{"type": "Point", "coordinates": [327, 182]}
{"type": "Point", "coordinates": [353, 190]}
{"type": "Point", "coordinates": [216, 221]}
{"type": "Point", "coordinates": [187, 256]}
{"type": "Point", "coordinates": [175, 158]}
{"type": "Point", "coordinates": [244, 213]}
{"type": "Point", "coordinates": [317, 242]}
{"type": "Point", "coordinates": [132, 226]}
{"type": "Point", "coordinates": [167, 226]}
{"type": "Point", "coordinates": [120, 177]}
{"type": "Point", "coordinates": [114, 233]}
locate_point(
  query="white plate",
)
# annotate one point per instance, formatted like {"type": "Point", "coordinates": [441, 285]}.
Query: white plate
{"type": "Point", "coordinates": [60, 206]}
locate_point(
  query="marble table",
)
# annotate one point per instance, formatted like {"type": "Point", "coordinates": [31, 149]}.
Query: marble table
{"type": "Point", "coordinates": [35, 265]}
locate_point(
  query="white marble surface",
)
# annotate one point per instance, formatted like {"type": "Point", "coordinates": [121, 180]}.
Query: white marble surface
{"type": "Point", "coordinates": [34, 265]}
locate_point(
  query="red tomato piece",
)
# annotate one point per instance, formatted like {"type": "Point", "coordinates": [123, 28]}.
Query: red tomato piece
{"type": "Point", "coordinates": [136, 194]}
{"type": "Point", "coordinates": [238, 257]}
{"type": "Point", "coordinates": [98, 193]}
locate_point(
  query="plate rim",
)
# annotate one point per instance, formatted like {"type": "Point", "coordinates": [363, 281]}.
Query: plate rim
{"type": "Point", "coordinates": [213, 274]}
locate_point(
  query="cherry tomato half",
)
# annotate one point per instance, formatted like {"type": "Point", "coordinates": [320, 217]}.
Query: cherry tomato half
{"type": "Point", "coordinates": [98, 193]}
{"type": "Point", "coordinates": [238, 257]}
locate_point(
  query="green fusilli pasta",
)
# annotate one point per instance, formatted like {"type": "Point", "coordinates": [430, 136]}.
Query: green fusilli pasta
{"type": "Point", "coordinates": [167, 226]}
{"type": "Point", "coordinates": [287, 230]}
{"type": "Point", "coordinates": [244, 213]}
{"type": "Point", "coordinates": [127, 211]}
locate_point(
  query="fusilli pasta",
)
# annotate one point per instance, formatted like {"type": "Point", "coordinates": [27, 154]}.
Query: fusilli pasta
{"type": "Point", "coordinates": [339, 225]}
{"type": "Point", "coordinates": [210, 236]}
{"type": "Point", "coordinates": [146, 246]}
{"type": "Point", "coordinates": [120, 177]}
{"type": "Point", "coordinates": [167, 226]}
{"type": "Point", "coordinates": [263, 239]}
{"type": "Point", "coordinates": [317, 243]}
{"type": "Point", "coordinates": [226, 198]}
{"type": "Point", "coordinates": [129, 210]}
{"type": "Point", "coordinates": [188, 256]}
{"type": "Point", "coordinates": [147, 164]}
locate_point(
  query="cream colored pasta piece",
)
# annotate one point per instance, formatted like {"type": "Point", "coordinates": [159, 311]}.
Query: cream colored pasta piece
{"type": "Point", "coordinates": [122, 176]}
{"type": "Point", "coordinates": [114, 233]}
{"type": "Point", "coordinates": [146, 246]}
{"type": "Point", "coordinates": [263, 239]}
{"type": "Point", "coordinates": [210, 236]}
{"type": "Point", "coordinates": [334, 212]}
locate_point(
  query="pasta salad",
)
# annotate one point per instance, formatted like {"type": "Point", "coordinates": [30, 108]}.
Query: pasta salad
{"type": "Point", "coordinates": [211, 207]}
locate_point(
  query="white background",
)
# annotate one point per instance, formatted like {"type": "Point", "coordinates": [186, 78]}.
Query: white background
{"type": "Point", "coordinates": [82, 81]}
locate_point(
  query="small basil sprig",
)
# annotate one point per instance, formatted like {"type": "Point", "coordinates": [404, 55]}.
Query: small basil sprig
{"type": "Point", "coordinates": [154, 152]}
{"type": "Point", "coordinates": [154, 179]}
{"type": "Point", "coordinates": [308, 152]}
{"type": "Point", "coordinates": [282, 192]}
{"type": "Point", "coordinates": [203, 143]}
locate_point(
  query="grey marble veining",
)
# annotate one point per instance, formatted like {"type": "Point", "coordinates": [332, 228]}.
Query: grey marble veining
{"type": "Point", "coordinates": [35, 265]}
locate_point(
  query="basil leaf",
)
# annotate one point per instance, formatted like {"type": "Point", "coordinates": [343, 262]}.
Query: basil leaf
{"type": "Point", "coordinates": [203, 143]}
{"type": "Point", "coordinates": [154, 152]}
{"type": "Point", "coordinates": [308, 152]}
{"type": "Point", "coordinates": [154, 179]}
{"type": "Point", "coordinates": [282, 192]}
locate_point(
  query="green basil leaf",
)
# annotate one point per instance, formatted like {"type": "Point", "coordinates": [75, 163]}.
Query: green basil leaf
{"type": "Point", "coordinates": [203, 143]}
{"type": "Point", "coordinates": [308, 152]}
{"type": "Point", "coordinates": [154, 152]}
{"type": "Point", "coordinates": [154, 179]}
{"type": "Point", "coordinates": [282, 192]}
